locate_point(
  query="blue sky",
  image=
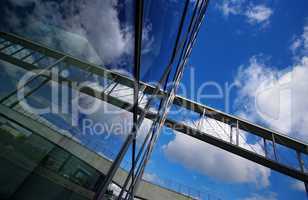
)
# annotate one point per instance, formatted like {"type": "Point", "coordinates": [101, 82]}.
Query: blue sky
{"type": "Point", "coordinates": [254, 44]}
{"type": "Point", "coordinates": [226, 43]}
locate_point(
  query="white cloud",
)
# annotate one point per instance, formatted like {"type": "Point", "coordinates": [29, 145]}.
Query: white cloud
{"type": "Point", "coordinates": [114, 120]}
{"type": "Point", "coordinates": [255, 14]}
{"type": "Point", "coordinates": [91, 29]}
{"type": "Point", "coordinates": [110, 119]}
{"type": "Point", "coordinates": [214, 162]}
{"type": "Point", "coordinates": [299, 44]}
{"type": "Point", "coordinates": [296, 44]}
{"type": "Point", "coordinates": [233, 7]}
{"type": "Point", "coordinates": [275, 97]}
{"type": "Point", "coordinates": [258, 14]}
{"type": "Point", "coordinates": [270, 196]}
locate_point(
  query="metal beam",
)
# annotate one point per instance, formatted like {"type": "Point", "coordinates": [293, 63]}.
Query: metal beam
{"type": "Point", "coordinates": [209, 112]}
{"type": "Point", "coordinates": [137, 62]}
{"type": "Point", "coordinates": [210, 139]}
{"type": "Point", "coordinates": [245, 125]}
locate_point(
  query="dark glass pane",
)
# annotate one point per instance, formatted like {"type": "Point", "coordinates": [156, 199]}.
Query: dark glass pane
{"type": "Point", "coordinates": [101, 32]}
{"type": "Point", "coordinates": [159, 36]}
{"type": "Point", "coordinates": [34, 168]}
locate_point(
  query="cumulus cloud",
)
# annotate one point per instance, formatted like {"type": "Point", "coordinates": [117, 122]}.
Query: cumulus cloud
{"type": "Point", "coordinates": [275, 97]}
{"type": "Point", "coordinates": [91, 30]}
{"type": "Point", "coordinates": [214, 162]}
{"type": "Point", "coordinates": [258, 14]}
{"type": "Point", "coordinates": [254, 14]}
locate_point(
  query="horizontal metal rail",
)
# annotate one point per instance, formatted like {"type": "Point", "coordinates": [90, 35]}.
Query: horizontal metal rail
{"type": "Point", "coordinates": [267, 134]}
{"type": "Point", "coordinates": [243, 124]}
{"type": "Point", "coordinates": [242, 152]}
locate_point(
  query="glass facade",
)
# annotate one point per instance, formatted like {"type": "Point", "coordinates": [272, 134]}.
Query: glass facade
{"type": "Point", "coordinates": [34, 168]}
{"type": "Point", "coordinates": [100, 32]}
{"type": "Point", "coordinates": [99, 35]}
{"type": "Point", "coordinates": [89, 85]}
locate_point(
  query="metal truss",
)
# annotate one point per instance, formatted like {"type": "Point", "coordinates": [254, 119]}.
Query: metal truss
{"type": "Point", "coordinates": [17, 50]}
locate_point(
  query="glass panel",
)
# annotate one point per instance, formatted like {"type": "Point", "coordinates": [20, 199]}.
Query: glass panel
{"type": "Point", "coordinates": [21, 152]}
{"type": "Point", "coordinates": [159, 36]}
{"type": "Point", "coordinates": [34, 168]}
{"type": "Point", "coordinates": [101, 32]}
{"type": "Point", "coordinates": [102, 131]}
{"type": "Point", "coordinates": [10, 75]}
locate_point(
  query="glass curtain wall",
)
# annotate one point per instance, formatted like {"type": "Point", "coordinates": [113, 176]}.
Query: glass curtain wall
{"type": "Point", "coordinates": [100, 33]}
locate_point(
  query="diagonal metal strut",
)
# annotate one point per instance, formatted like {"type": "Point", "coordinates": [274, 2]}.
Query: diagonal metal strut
{"type": "Point", "coordinates": [267, 134]}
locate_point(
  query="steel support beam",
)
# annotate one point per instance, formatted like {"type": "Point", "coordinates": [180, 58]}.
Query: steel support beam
{"type": "Point", "coordinates": [210, 139]}
{"type": "Point", "coordinates": [137, 61]}
{"type": "Point", "coordinates": [243, 124]}
{"type": "Point", "coordinates": [209, 112]}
